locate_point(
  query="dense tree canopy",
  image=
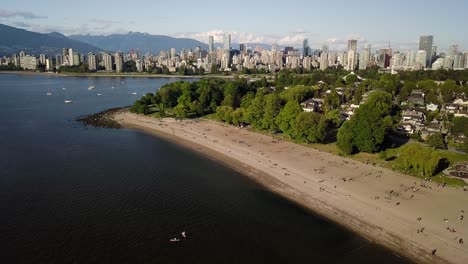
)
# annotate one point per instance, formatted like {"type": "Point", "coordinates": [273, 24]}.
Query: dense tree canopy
{"type": "Point", "coordinates": [367, 128]}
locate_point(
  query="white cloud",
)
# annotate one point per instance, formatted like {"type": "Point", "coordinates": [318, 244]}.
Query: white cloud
{"type": "Point", "coordinates": [294, 38]}
{"type": "Point", "coordinates": [19, 14]}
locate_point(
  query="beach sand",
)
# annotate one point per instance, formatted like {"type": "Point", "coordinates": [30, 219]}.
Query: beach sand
{"type": "Point", "coordinates": [377, 203]}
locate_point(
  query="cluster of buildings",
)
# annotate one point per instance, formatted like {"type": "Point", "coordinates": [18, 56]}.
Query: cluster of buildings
{"type": "Point", "coordinates": [226, 58]}
{"type": "Point", "coordinates": [415, 118]}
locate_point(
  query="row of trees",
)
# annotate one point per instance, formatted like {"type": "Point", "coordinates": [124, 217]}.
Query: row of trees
{"type": "Point", "coordinates": [10, 67]}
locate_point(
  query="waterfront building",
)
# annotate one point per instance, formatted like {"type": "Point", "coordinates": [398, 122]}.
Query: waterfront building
{"type": "Point", "coordinates": [28, 62]}
{"type": "Point", "coordinates": [42, 59]}
{"type": "Point", "coordinates": [92, 62]}
{"type": "Point", "coordinates": [70, 57]}
{"type": "Point", "coordinates": [118, 61]}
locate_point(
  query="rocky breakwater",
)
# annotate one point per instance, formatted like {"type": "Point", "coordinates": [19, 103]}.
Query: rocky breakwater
{"type": "Point", "coordinates": [104, 119]}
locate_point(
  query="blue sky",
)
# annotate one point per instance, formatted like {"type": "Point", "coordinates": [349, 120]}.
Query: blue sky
{"type": "Point", "coordinates": [284, 22]}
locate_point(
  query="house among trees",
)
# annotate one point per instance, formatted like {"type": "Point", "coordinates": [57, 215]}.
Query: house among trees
{"type": "Point", "coordinates": [432, 107]}
{"type": "Point", "coordinates": [416, 98]}
{"type": "Point", "coordinates": [435, 127]}
{"type": "Point", "coordinates": [412, 122]}
{"type": "Point", "coordinates": [312, 105]}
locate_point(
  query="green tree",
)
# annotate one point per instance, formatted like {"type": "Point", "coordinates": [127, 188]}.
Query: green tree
{"type": "Point", "coordinates": [419, 159]}
{"type": "Point", "coordinates": [287, 117]}
{"type": "Point", "coordinates": [448, 90]}
{"type": "Point", "coordinates": [256, 110]}
{"type": "Point", "coordinates": [460, 125]}
{"type": "Point", "coordinates": [367, 129]}
{"type": "Point", "coordinates": [436, 140]}
{"type": "Point", "coordinates": [345, 138]}
{"type": "Point", "coordinates": [272, 109]}
{"type": "Point", "coordinates": [309, 127]}
{"type": "Point", "coordinates": [237, 116]}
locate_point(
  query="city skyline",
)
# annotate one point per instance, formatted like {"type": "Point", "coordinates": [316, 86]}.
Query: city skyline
{"type": "Point", "coordinates": [400, 23]}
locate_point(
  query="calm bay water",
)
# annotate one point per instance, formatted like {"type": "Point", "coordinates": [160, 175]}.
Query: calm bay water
{"type": "Point", "coordinates": [71, 194]}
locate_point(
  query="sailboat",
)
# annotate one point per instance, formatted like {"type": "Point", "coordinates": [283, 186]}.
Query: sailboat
{"type": "Point", "coordinates": [48, 92]}
{"type": "Point", "coordinates": [67, 100]}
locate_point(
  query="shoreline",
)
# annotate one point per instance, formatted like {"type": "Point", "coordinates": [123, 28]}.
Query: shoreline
{"type": "Point", "coordinates": [135, 75]}
{"type": "Point", "coordinates": [305, 180]}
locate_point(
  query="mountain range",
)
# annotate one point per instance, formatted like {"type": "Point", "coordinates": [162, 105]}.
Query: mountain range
{"type": "Point", "coordinates": [14, 40]}
{"type": "Point", "coordinates": [143, 41]}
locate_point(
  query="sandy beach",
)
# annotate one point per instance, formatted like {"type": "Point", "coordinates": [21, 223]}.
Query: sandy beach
{"type": "Point", "coordinates": [386, 207]}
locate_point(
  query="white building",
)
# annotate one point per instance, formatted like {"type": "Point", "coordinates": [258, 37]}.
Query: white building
{"type": "Point", "coordinates": [28, 62]}
{"type": "Point", "coordinates": [364, 58]}
{"type": "Point", "coordinates": [421, 58]}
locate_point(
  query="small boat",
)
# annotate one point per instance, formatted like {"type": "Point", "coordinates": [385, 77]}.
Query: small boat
{"type": "Point", "coordinates": [68, 101]}
{"type": "Point", "coordinates": [64, 88]}
{"type": "Point", "coordinates": [174, 240]}
{"type": "Point", "coordinates": [99, 94]}
{"type": "Point", "coordinates": [123, 82]}
{"type": "Point", "coordinates": [48, 93]}
{"type": "Point", "coordinates": [134, 93]}
{"type": "Point", "coordinates": [184, 235]}
{"type": "Point", "coordinates": [91, 87]}
{"type": "Point", "coordinates": [113, 87]}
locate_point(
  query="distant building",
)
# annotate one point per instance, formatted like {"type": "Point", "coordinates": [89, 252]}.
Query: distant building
{"type": "Point", "coordinates": [139, 66]}
{"type": "Point", "coordinates": [70, 57]}
{"type": "Point", "coordinates": [243, 48]}
{"type": "Point", "coordinates": [306, 48]}
{"type": "Point", "coordinates": [58, 60]}
{"type": "Point", "coordinates": [76, 59]}
{"type": "Point", "coordinates": [118, 62]}
{"type": "Point", "coordinates": [324, 61]}
{"type": "Point", "coordinates": [42, 59]}
{"type": "Point", "coordinates": [227, 42]}
{"type": "Point", "coordinates": [352, 55]}
{"type": "Point", "coordinates": [92, 62]}
{"type": "Point", "coordinates": [211, 44]}
{"type": "Point", "coordinates": [28, 62]}
{"type": "Point", "coordinates": [422, 58]}
{"type": "Point", "coordinates": [364, 59]}
{"type": "Point", "coordinates": [49, 64]}
{"type": "Point", "coordinates": [107, 62]}
{"type": "Point", "coordinates": [425, 43]}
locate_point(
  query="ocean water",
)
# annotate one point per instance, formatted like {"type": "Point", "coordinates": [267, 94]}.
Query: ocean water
{"type": "Point", "coordinates": [75, 194]}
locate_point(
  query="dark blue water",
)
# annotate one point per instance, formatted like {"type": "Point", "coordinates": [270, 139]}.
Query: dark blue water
{"type": "Point", "coordinates": [71, 194]}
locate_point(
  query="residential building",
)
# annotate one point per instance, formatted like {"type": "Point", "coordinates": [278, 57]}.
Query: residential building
{"type": "Point", "coordinates": [118, 62]}
{"type": "Point", "coordinates": [70, 57]}
{"type": "Point", "coordinates": [28, 62]}
{"type": "Point", "coordinates": [92, 62]}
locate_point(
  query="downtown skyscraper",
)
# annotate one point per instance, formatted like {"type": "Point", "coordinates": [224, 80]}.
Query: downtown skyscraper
{"type": "Point", "coordinates": [425, 43]}
{"type": "Point", "coordinates": [211, 44]}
